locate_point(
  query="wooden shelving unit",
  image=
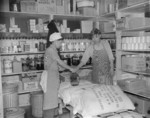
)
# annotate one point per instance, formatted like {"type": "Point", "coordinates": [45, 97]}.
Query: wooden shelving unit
{"type": "Point", "coordinates": [137, 8]}
{"type": "Point", "coordinates": [21, 53]}
{"type": "Point", "coordinates": [31, 71]}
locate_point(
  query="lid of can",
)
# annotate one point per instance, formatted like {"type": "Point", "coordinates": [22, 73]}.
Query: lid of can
{"type": "Point", "coordinates": [14, 112]}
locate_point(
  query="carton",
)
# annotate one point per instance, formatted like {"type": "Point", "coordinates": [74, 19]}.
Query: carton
{"type": "Point", "coordinates": [133, 63]}
{"type": "Point", "coordinates": [4, 5]}
{"type": "Point", "coordinates": [46, 7]}
{"type": "Point", "coordinates": [133, 2]}
{"type": "Point", "coordinates": [132, 84]}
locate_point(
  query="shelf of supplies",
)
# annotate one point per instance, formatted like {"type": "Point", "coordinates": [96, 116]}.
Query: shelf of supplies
{"type": "Point", "coordinates": [34, 71]}
{"type": "Point", "coordinates": [24, 14]}
{"type": "Point", "coordinates": [73, 17]}
{"type": "Point", "coordinates": [18, 35]}
{"type": "Point", "coordinates": [137, 8]}
{"type": "Point", "coordinates": [143, 94]}
{"type": "Point", "coordinates": [112, 32]}
{"type": "Point", "coordinates": [109, 15]}
{"type": "Point", "coordinates": [134, 51]}
{"type": "Point", "coordinates": [29, 91]}
{"type": "Point", "coordinates": [144, 28]}
{"type": "Point", "coordinates": [146, 72]}
{"type": "Point", "coordinates": [47, 16]}
{"type": "Point", "coordinates": [21, 53]}
{"type": "Point", "coordinates": [72, 51]}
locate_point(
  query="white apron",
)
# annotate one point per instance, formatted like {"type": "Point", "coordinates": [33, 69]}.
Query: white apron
{"type": "Point", "coordinates": [51, 95]}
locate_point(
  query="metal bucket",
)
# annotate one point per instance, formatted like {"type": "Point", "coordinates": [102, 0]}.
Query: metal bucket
{"type": "Point", "coordinates": [10, 95]}
{"type": "Point", "coordinates": [37, 104]}
{"type": "Point", "coordinates": [14, 113]}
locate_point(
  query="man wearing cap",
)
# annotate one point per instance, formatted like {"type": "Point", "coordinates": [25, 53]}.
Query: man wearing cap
{"type": "Point", "coordinates": [51, 62]}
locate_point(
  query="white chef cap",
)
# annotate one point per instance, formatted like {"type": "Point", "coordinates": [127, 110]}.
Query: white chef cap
{"type": "Point", "coordinates": [55, 36]}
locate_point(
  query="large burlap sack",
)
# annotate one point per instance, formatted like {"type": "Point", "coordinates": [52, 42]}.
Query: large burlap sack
{"type": "Point", "coordinates": [102, 99]}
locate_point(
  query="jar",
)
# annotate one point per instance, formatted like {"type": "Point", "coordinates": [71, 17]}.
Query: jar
{"type": "Point", "coordinates": [7, 66]}
{"type": "Point", "coordinates": [75, 60]}
{"type": "Point", "coordinates": [38, 64]}
{"type": "Point", "coordinates": [25, 66]}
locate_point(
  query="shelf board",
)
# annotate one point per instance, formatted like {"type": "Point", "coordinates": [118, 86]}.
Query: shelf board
{"type": "Point", "coordinates": [137, 8]}
{"type": "Point", "coordinates": [55, 15]}
{"type": "Point", "coordinates": [72, 17]}
{"type": "Point", "coordinates": [11, 74]}
{"type": "Point", "coordinates": [134, 51]}
{"type": "Point", "coordinates": [147, 72]}
{"type": "Point", "coordinates": [112, 32]}
{"type": "Point", "coordinates": [16, 35]}
{"type": "Point", "coordinates": [72, 51]}
{"type": "Point", "coordinates": [22, 53]}
{"type": "Point", "coordinates": [24, 14]}
{"type": "Point", "coordinates": [143, 94]}
{"type": "Point", "coordinates": [144, 28]}
{"type": "Point", "coordinates": [29, 91]}
{"type": "Point", "coordinates": [109, 15]}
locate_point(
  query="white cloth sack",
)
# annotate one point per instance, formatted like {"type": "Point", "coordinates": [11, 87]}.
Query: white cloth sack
{"type": "Point", "coordinates": [43, 81]}
{"type": "Point", "coordinates": [103, 99]}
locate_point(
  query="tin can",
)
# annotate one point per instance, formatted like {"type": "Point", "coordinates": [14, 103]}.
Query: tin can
{"type": "Point", "coordinates": [7, 66]}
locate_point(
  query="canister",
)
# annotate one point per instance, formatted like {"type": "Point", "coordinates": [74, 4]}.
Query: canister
{"type": "Point", "coordinates": [10, 95]}
{"type": "Point", "coordinates": [37, 104]}
{"type": "Point", "coordinates": [7, 66]}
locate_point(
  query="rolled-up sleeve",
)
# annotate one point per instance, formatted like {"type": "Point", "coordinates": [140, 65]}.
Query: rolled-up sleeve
{"type": "Point", "coordinates": [87, 54]}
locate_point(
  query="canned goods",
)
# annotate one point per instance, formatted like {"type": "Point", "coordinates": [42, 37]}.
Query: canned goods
{"type": "Point", "coordinates": [7, 66]}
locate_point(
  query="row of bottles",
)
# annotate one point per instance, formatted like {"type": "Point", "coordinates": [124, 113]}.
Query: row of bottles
{"type": "Point", "coordinates": [73, 59]}
{"type": "Point", "coordinates": [75, 44]}
{"type": "Point", "coordinates": [22, 44]}
{"type": "Point", "coordinates": [16, 65]}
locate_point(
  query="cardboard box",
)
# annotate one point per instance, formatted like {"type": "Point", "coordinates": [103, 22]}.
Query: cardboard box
{"type": "Point", "coordinates": [133, 2]}
{"type": "Point", "coordinates": [138, 103]}
{"type": "Point", "coordinates": [133, 63]}
{"type": "Point", "coordinates": [17, 66]}
{"type": "Point", "coordinates": [88, 11]}
{"type": "Point", "coordinates": [24, 100]}
{"type": "Point", "coordinates": [86, 26]}
{"type": "Point", "coordinates": [4, 5]}
{"type": "Point", "coordinates": [122, 4]}
{"type": "Point", "coordinates": [46, 8]}
{"type": "Point", "coordinates": [109, 27]}
{"type": "Point", "coordinates": [60, 9]}
{"type": "Point", "coordinates": [132, 84]}
{"type": "Point", "coordinates": [30, 83]}
{"type": "Point", "coordinates": [28, 6]}
{"type": "Point", "coordinates": [136, 22]}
